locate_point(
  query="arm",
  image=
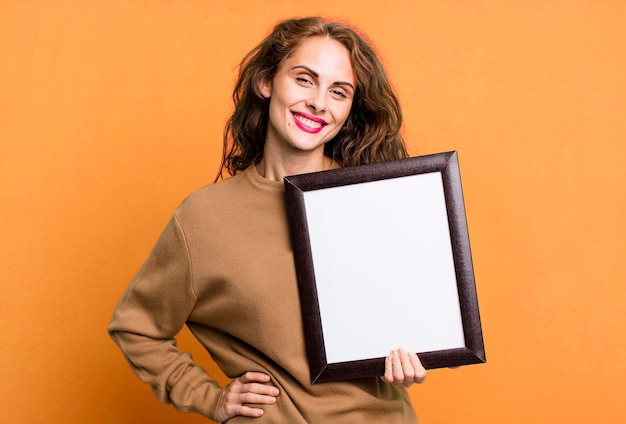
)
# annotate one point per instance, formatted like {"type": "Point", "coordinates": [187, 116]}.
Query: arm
{"type": "Point", "coordinates": [151, 312]}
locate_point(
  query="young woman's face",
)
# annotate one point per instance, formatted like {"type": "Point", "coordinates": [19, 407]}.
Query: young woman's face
{"type": "Point", "coordinates": [310, 96]}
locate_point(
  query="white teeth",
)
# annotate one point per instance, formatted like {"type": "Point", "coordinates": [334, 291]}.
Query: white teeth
{"type": "Point", "coordinates": [307, 122]}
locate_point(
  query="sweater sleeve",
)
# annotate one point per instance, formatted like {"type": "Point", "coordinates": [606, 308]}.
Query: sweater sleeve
{"type": "Point", "coordinates": [151, 312]}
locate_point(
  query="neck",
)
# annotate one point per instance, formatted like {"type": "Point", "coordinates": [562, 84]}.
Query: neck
{"type": "Point", "coordinates": [276, 168]}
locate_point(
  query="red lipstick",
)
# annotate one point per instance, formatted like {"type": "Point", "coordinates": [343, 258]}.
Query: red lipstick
{"type": "Point", "coordinates": [308, 123]}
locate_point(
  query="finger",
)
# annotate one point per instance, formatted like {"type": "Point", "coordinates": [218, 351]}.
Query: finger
{"type": "Point", "coordinates": [255, 382]}
{"type": "Point", "coordinates": [388, 375]}
{"type": "Point", "coordinates": [397, 371]}
{"type": "Point", "coordinates": [261, 389]}
{"type": "Point", "coordinates": [248, 411]}
{"type": "Point", "coordinates": [249, 398]}
{"type": "Point", "coordinates": [408, 372]}
{"type": "Point", "coordinates": [420, 371]}
{"type": "Point", "coordinates": [253, 376]}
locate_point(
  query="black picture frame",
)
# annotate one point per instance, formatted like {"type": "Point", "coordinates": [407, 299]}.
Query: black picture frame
{"type": "Point", "coordinates": [412, 205]}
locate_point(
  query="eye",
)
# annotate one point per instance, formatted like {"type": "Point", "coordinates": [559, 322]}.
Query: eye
{"type": "Point", "coordinates": [339, 93]}
{"type": "Point", "coordinates": [303, 80]}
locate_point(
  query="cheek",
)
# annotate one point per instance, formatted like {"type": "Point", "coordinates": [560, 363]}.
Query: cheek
{"type": "Point", "coordinates": [276, 111]}
{"type": "Point", "coordinates": [343, 113]}
{"type": "Point", "coordinates": [341, 118]}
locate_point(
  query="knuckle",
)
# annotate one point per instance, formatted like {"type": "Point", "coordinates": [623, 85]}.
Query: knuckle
{"type": "Point", "coordinates": [230, 409]}
{"type": "Point", "coordinates": [230, 398]}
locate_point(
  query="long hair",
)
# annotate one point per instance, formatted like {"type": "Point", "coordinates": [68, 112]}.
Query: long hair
{"type": "Point", "coordinates": [372, 132]}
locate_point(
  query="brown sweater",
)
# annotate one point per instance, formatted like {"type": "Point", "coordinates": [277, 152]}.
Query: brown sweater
{"type": "Point", "coordinates": [224, 266]}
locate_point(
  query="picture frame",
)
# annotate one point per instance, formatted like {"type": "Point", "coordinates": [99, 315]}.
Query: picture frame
{"type": "Point", "coordinates": [383, 261]}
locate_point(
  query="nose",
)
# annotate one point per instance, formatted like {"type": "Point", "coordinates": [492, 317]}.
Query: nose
{"type": "Point", "coordinates": [317, 101]}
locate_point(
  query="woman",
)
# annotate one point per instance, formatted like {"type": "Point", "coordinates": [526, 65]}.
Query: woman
{"type": "Point", "coordinates": [312, 96]}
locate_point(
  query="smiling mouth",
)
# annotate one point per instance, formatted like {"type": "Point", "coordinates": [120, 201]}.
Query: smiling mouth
{"type": "Point", "coordinates": [308, 124]}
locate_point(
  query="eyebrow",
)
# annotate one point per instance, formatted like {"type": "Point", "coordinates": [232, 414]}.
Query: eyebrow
{"type": "Point", "coordinates": [316, 75]}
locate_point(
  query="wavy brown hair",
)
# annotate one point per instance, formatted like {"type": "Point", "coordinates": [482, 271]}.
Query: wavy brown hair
{"type": "Point", "coordinates": [372, 132]}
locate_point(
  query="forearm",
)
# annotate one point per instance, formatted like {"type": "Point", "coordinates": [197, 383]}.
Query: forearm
{"type": "Point", "coordinates": [172, 374]}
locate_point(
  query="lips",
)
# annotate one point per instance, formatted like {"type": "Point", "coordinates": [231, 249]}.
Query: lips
{"type": "Point", "coordinates": [308, 123]}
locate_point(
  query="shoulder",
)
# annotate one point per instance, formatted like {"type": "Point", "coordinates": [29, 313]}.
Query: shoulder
{"type": "Point", "coordinates": [214, 195]}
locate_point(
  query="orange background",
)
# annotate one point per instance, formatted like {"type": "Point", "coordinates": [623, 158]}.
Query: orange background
{"type": "Point", "coordinates": [111, 112]}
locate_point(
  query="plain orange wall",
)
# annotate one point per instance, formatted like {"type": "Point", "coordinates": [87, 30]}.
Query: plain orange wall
{"type": "Point", "coordinates": [112, 111]}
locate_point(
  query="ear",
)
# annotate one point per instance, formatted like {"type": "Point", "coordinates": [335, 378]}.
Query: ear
{"type": "Point", "coordinates": [264, 88]}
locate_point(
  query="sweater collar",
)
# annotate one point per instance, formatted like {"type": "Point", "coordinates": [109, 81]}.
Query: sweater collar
{"type": "Point", "coordinates": [261, 182]}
